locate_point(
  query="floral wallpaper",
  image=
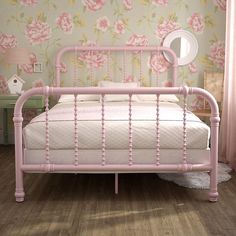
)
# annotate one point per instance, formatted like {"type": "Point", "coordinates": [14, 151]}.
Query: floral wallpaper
{"type": "Point", "coordinates": [44, 26]}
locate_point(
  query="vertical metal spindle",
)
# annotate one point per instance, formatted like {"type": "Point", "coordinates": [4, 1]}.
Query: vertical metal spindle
{"type": "Point", "coordinates": [130, 132]}
{"type": "Point", "coordinates": [91, 69]}
{"type": "Point", "coordinates": [185, 131]}
{"type": "Point", "coordinates": [151, 70]}
{"type": "Point", "coordinates": [158, 130]}
{"type": "Point", "coordinates": [141, 68]}
{"type": "Point", "coordinates": [76, 151]}
{"type": "Point", "coordinates": [75, 68]}
{"type": "Point", "coordinates": [108, 65]}
{"type": "Point", "coordinates": [157, 72]}
{"type": "Point", "coordinates": [116, 183]}
{"type": "Point", "coordinates": [47, 128]}
{"type": "Point", "coordinates": [103, 133]}
{"type": "Point", "coordinates": [124, 66]}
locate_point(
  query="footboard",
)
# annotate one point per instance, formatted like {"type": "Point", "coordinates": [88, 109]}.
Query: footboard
{"type": "Point", "coordinates": [105, 167]}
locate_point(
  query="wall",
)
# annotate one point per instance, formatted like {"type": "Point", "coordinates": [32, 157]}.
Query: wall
{"type": "Point", "coordinates": [44, 26]}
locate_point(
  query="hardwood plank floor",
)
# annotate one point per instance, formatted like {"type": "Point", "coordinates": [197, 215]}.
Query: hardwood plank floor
{"type": "Point", "coordinates": [68, 204]}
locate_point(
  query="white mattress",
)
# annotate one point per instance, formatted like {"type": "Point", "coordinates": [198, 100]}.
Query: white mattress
{"type": "Point", "coordinates": [61, 127]}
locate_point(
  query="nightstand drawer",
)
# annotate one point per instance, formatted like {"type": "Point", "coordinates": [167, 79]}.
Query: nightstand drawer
{"type": "Point", "coordinates": [203, 113]}
{"type": "Point", "coordinates": [9, 101]}
{"type": "Point", "coordinates": [35, 102]}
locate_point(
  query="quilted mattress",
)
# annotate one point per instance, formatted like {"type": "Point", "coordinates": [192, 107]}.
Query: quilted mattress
{"type": "Point", "coordinates": [61, 127]}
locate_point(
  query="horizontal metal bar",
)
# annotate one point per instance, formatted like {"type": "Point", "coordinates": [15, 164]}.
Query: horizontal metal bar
{"type": "Point", "coordinates": [141, 90]}
{"type": "Point", "coordinates": [117, 168]}
{"type": "Point", "coordinates": [115, 48]}
{"type": "Point", "coordinates": [103, 90]}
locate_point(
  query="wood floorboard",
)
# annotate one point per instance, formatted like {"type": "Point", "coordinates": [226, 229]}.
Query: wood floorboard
{"type": "Point", "coordinates": [84, 205]}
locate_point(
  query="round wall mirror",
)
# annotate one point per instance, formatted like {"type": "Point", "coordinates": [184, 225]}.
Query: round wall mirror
{"type": "Point", "coordinates": [184, 44]}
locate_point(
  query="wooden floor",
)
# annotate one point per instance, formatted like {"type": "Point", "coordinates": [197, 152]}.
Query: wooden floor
{"type": "Point", "coordinates": [68, 204]}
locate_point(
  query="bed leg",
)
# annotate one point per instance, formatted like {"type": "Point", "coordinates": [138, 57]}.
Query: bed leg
{"type": "Point", "coordinates": [116, 183]}
{"type": "Point", "coordinates": [19, 193]}
{"type": "Point", "coordinates": [213, 194]}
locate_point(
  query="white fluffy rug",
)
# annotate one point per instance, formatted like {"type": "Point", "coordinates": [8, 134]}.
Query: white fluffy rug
{"type": "Point", "coordinates": [198, 180]}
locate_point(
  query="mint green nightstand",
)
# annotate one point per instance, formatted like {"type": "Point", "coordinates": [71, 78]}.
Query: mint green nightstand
{"type": "Point", "coordinates": [8, 102]}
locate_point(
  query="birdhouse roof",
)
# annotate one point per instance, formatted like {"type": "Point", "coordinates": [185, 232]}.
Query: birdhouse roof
{"type": "Point", "coordinates": [17, 78]}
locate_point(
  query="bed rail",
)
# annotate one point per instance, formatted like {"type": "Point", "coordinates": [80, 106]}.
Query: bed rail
{"type": "Point", "coordinates": [104, 166]}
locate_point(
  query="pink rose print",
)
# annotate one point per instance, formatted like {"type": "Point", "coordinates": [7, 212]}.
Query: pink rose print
{"type": "Point", "coordinates": [38, 32]}
{"type": "Point", "coordinates": [160, 2]}
{"type": "Point", "coordinates": [63, 68]}
{"type": "Point", "coordinates": [157, 63]}
{"type": "Point", "coordinates": [38, 83]}
{"type": "Point", "coordinates": [7, 41]}
{"type": "Point", "coordinates": [28, 2]}
{"type": "Point", "coordinates": [92, 59]}
{"type": "Point", "coordinates": [29, 68]}
{"type": "Point", "coordinates": [198, 103]}
{"type": "Point", "coordinates": [168, 84]}
{"type": "Point", "coordinates": [221, 4]}
{"type": "Point", "coordinates": [217, 54]}
{"type": "Point", "coordinates": [192, 68]}
{"type": "Point", "coordinates": [119, 27]}
{"type": "Point", "coordinates": [137, 40]}
{"type": "Point", "coordinates": [93, 5]}
{"type": "Point", "coordinates": [65, 22]}
{"type": "Point", "coordinates": [130, 78]}
{"type": "Point", "coordinates": [128, 4]}
{"type": "Point", "coordinates": [3, 85]}
{"type": "Point", "coordinates": [166, 27]}
{"type": "Point", "coordinates": [103, 24]}
{"type": "Point", "coordinates": [196, 23]}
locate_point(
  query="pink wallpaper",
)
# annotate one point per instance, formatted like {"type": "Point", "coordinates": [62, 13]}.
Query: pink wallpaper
{"type": "Point", "coordinates": [43, 26]}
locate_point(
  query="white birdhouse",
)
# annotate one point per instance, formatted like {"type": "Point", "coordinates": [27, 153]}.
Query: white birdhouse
{"type": "Point", "coordinates": [15, 84]}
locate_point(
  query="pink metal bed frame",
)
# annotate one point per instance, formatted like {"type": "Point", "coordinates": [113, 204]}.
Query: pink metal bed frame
{"type": "Point", "coordinates": [103, 167]}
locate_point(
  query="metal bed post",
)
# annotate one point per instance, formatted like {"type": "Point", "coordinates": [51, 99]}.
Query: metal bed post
{"type": "Point", "coordinates": [19, 191]}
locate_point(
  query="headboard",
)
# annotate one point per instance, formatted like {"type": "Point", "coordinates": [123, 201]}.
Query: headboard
{"type": "Point", "coordinates": [87, 53]}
